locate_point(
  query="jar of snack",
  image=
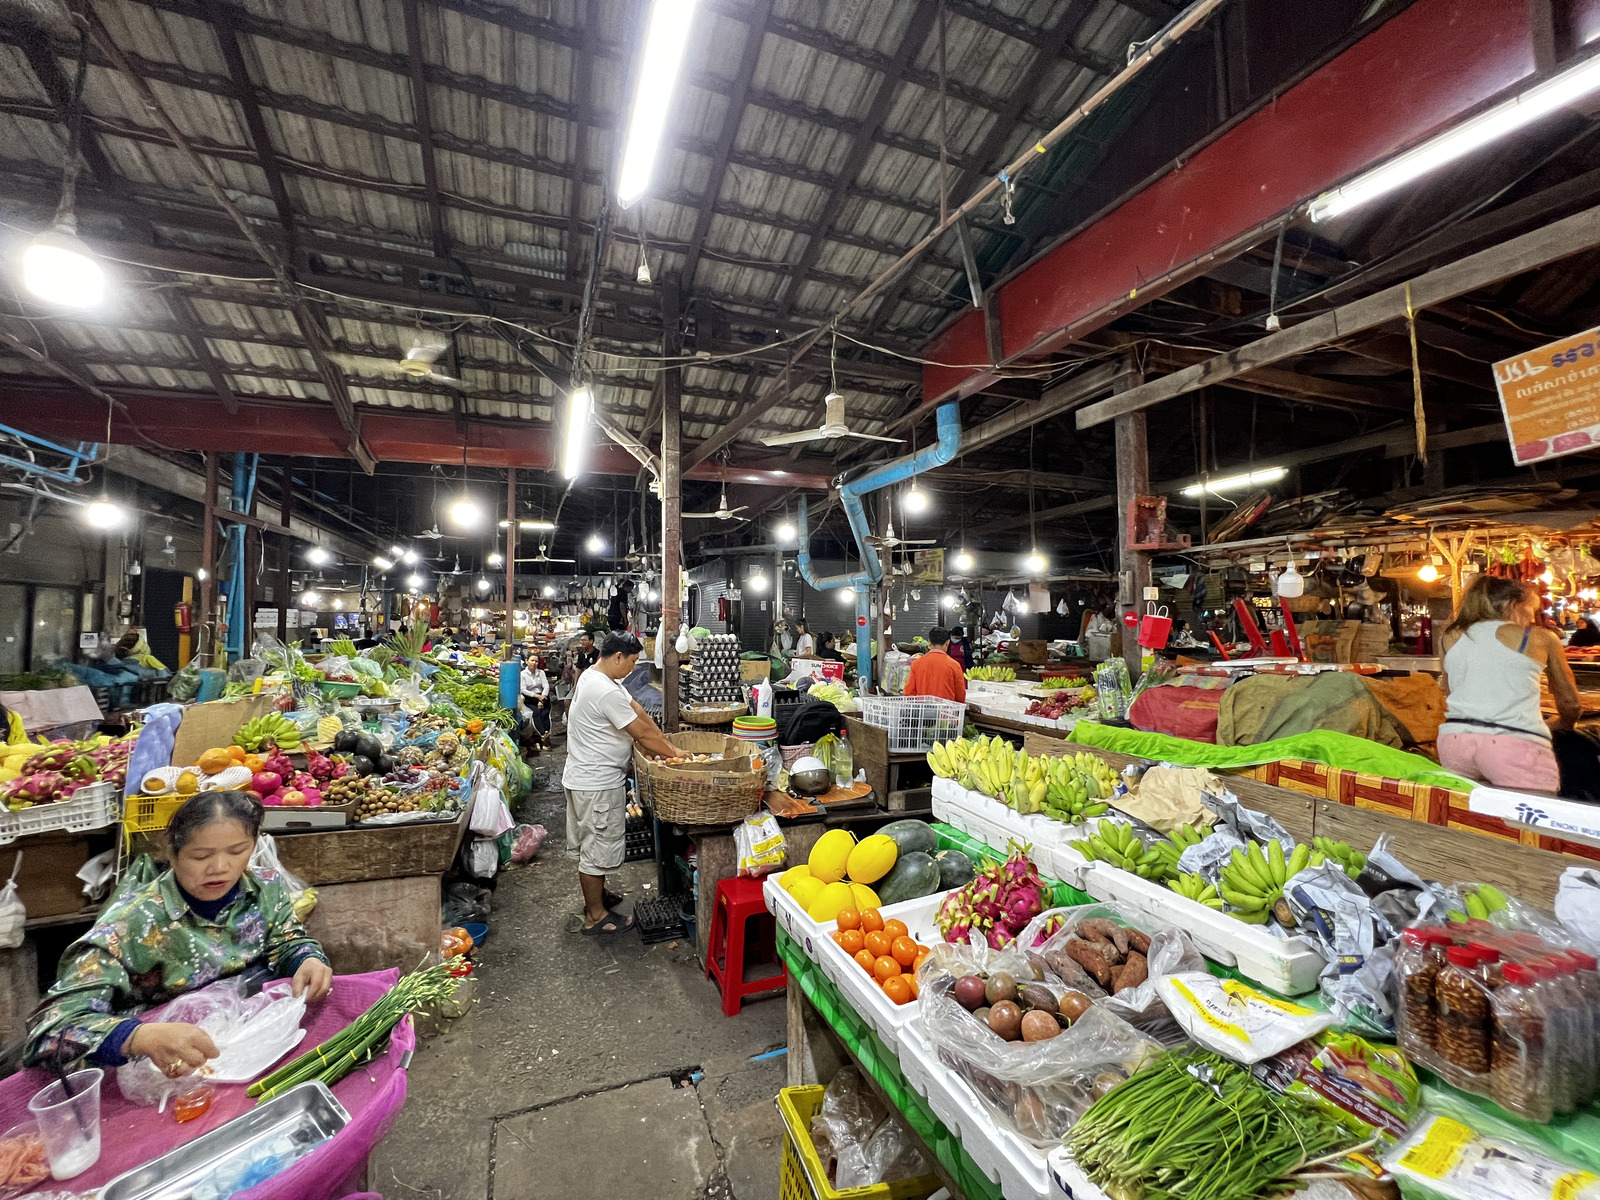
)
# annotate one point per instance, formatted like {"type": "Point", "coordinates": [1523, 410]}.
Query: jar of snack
{"type": "Point", "coordinates": [1418, 959]}
{"type": "Point", "coordinates": [1461, 1005]}
{"type": "Point", "coordinates": [1586, 970]}
{"type": "Point", "coordinates": [1489, 968]}
{"type": "Point", "coordinates": [1561, 1042]}
{"type": "Point", "coordinates": [1519, 1058]}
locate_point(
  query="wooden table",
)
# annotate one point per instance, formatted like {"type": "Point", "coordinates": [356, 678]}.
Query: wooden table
{"type": "Point", "coordinates": [902, 781]}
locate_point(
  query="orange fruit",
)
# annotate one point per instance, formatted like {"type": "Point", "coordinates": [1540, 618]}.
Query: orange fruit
{"type": "Point", "coordinates": [879, 943]}
{"type": "Point", "coordinates": [912, 982]}
{"type": "Point", "coordinates": [852, 941]}
{"type": "Point", "coordinates": [895, 928]}
{"type": "Point", "coordinates": [848, 918]}
{"type": "Point", "coordinates": [837, 937]}
{"type": "Point", "coordinates": [898, 989]}
{"type": "Point", "coordinates": [922, 957]}
{"type": "Point", "coordinates": [865, 959]}
{"type": "Point", "coordinates": [885, 968]}
{"type": "Point", "coordinates": [871, 920]}
{"type": "Point", "coordinates": [903, 951]}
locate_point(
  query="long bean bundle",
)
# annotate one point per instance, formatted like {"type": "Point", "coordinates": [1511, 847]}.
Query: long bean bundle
{"type": "Point", "coordinates": [356, 1042]}
{"type": "Point", "coordinates": [1194, 1126]}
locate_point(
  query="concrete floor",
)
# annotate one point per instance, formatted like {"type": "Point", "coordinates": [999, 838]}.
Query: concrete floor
{"type": "Point", "coordinates": [589, 1067]}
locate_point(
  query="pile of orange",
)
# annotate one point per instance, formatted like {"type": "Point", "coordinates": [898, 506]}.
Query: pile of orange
{"type": "Point", "coordinates": [883, 949]}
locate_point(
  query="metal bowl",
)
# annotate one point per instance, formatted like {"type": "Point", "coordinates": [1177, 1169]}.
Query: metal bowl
{"type": "Point", "coordinates": [810, 777]}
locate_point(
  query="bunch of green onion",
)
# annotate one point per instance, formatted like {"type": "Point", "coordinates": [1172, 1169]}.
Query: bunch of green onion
{"type": "Point", "coordinates": [1194, 1126]}
{"type": "Point", "coordinates": [356, 1042]}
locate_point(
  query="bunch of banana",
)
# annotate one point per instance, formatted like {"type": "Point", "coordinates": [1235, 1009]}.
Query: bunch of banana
{"type": "Point", "coordinates": [1074, 793]}
{"type": "Point", "coordinates": [1194, 887]}
{"type": "Point", "coordinates": [949, 759]}
{"type": "Point", "coordinates": [991, 768]}
{"type": "Point", "coordinates": [1481, 904]}
{"type": "Point", "coordinates": [1185, 836]}
{"type": "Point", "coordinates": [1351, 859]}
{"type": "Point", "coordinates": [992, 674]}
{"type": "Point", "coordinates": [1029, 783]}
{"type": "Point", "coordinates": [272, 727]}
{"type": "Point", "coordinates": [1252, 882]}
{"type": "Point", "coordinates": [1113, 842]}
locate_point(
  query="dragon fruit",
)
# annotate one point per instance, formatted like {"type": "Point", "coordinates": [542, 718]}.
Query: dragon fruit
{"type": "Point", "coordinates": [280, 765]}
{"type": "Point", "coordinates": [82, 768]}
{"type": "Point", "coordinates": [302, 781]}
{"type": "Point", "coordinates": [1052, 926]}
{"type": "Point", "coordinates": [1000, 937]}
{"type": "Point", "coordinates": [1022, 905]}
{"type": "Point", "coordinates": [14, 792]}
{"type": "Point", "coordinates": [320, 766]}
{"type": "Point", "coordinates": [66, 791]}
{"type": "Point", "coordinates": [41, 786]}
{"type": "Point", "coordinates": [52, 758]}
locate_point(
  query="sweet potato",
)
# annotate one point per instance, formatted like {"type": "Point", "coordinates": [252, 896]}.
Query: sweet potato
{"type": "Point", "coordinates": [1139, 941]}
{"type": "Point", "coordinates": [1091, 959]}
{"type": "Point", "coordinates": [1132, 973]}
{"type": "Point", "coordinates": [1106, 930]}
{"type": "Point", "coordinates": [1074, 976]}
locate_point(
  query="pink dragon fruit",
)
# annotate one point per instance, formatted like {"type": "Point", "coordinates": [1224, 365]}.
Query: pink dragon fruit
{"type": "Point", "coordinates": [66, 791]}
{"type": "Point", "coordinates": [341, 768]}
{"type": "Point", "coordinates": [279, 764]}
{"type": "Point", "coordinates": [82, 768]}
{"type": "Point", "coordinates": [1049, 929]}
{"type": "Point", "coordinates": [52, 758]}
{"type": "Point", "coordinates": [319, 765]}
{"type": "Point", "coordinates": [117, 774]}
{"type": "Point", "coordinates": [302, 780]}
{"type": "Point", "coordinates": [41, 786]}
{"type": "Point", "coordinates": [1022, 905]}
{"type": "Point", "coordinates": [14, 792]}
{"type": "Point", "coordinates": [1000, 937]}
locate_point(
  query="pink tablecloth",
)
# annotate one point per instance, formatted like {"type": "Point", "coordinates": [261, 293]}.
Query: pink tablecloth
{"type": "Point", "coordinates": [131, 1135]}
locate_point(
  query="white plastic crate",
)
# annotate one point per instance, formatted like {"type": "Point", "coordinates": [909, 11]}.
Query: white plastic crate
{"type": "Point", "coordinates": [914, 723]}
{"type": "Point", "coordinates": [791, 918]}
{"type": "Point", "coordinates": [1008, 1159]}
{"type": "Point", "coordinates": [885, 1016]}
{"type": "Point", "coordinates": [92, 806]}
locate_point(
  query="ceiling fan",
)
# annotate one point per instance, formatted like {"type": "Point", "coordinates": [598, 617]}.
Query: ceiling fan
{"type": "Point", "coordinates": [431, 534]}
{"type": "Point", "coordinates": [723, 512]}
{"type": "Point", "coordinates": [833, 426]}
{"type": "Point", "coordinates": [888, 541]}
{"type": "Point", "coordinates": [417, 362]}
{"type": "Point", "coordinates": [542, 557]}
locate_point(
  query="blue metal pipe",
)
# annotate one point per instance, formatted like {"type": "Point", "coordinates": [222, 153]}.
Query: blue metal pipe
{"type": "Point", "coordinates": [871, 574]}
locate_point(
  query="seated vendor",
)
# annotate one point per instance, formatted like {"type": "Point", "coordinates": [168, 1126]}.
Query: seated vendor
{"type": "Point", "coordinates": [205, 918]}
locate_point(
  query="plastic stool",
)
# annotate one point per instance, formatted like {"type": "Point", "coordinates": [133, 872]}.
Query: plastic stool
{"type": "Point", "coordinates": [737, 903]}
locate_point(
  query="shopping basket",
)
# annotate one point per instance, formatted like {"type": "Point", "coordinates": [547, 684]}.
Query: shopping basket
{"type": "Point", "coordinates": [803, 1177]}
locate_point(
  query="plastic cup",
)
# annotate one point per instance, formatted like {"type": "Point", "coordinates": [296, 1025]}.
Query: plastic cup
{"type": "Point", "coordinates": [70, 1125]}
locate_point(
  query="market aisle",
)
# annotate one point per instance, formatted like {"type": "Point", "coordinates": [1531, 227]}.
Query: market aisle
{"type": "Point", "coordinates": [561, 1081]}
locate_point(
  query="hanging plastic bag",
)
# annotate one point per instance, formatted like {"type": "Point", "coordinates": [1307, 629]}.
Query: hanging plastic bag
{"type": "Point", "coordinates": [264, 862]}
{"type": "Point", "coordinates": [13, 916]}
{"type": "Point", "coordinates": [759, 844]}
{"type": "Point", "coordinates": [490, 816]}
{"type": "Point", "coordinates": [482, 857]}
{"type": "Point", "coordinates": [98, 874]}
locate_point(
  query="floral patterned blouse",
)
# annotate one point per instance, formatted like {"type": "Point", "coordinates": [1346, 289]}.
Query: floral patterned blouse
{"type": "Point", "coordinates": [148, 946]}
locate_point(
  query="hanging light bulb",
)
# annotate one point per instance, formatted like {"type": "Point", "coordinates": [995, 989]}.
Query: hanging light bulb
{"type": "Point", "coordinates": [682, 644]}
{"type": "Point", "coordinates": [1290, 582]}
{"type": "Point", "coordinates": [397, 551]}
{"type": "Point", "coordinates": [548, 591]}
{"type": "Point", "coordinates": [758, 583]}
{"type": "Point", "coordinates": [338, 604]}
{"type": "Point", "coordinates": [496, 559]}
{"type": "Point", "coordinates": [595, 544]}
{"type": "Point", "coordinates": [652, 595]}
{"type": "Point", "coordinates": [382, 563]}
{"type": "Point", "coordinates": [414, 581]}
{"type": "Point", "coordinates": [103, 514]}
{"type": "Point", "coordinates": [409, 557]}
{"type": "Point", "coordinates": [483, 584]}
{"type": "Point", "coordinates": [1428, 573]}
{"type": "Point", "coordinates": [786, 533]}
{"type": "Point", "coordinates": [916, 500]}
{"type": "Point", "coordinates": [1547, 577]}
{"type": "Point", "coordinates": [202, 574]}
{"type": "Point", "coordinates": [59, 269]}
{"type": "Point", "coordinates": [963, 562]}
{"type": "Point", "coordinates": [466, 512]}
{"type": "Point", "coordinates": [309, 598]}
{"type": "Point", "coordinates": [1034, 564]}
{"type": "Point", "coordinates": [317, 556]}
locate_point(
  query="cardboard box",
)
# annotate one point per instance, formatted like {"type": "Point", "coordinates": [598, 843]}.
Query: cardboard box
{"type": "Point", "coordinates": [214, 724]}
{"type": "Point", "coordinates": [1033, 651]}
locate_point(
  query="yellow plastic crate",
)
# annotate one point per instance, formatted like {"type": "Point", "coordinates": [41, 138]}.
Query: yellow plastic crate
{"type": "Point", "coordinates": [148, 814]}
{"type": "Point", "coordinates": [803, 1176]}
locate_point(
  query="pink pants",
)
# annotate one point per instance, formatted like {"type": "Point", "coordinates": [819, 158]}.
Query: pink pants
{"type": "Point", "coordinates": [1501, 759]}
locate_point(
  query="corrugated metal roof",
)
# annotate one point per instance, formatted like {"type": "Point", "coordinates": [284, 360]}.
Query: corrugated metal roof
{"type": "Point", "coordinates": [332, 81]}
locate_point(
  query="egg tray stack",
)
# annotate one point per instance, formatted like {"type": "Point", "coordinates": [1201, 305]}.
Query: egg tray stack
{"type": "Point", "coordinates": [715, 674]}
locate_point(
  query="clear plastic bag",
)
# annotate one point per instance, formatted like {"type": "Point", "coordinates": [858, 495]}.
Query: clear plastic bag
{"type": "Point", "coordinates": [1040, 1088]}
{"type": "Point", "coordinates": [526, 845]}
{"type": "Point", "coordinates": [336, 666]}
{"type": "Point", "coordinates": [185, 684]}
{"type": "Point", "coordinates": [13, 915]}
{"type": "Point", "coordinates": [759, 845]}
{"type": "Point", "coordinates": [251, 1033]}
{"type": "Point", "coordinates": [1236, 1020]}
{"type": "Point", "coordinates": [264, 862]}
{"type": "Point", "coordinates": [857, 1140]}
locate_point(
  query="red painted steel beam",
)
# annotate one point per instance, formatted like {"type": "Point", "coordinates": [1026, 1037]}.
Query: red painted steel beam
{"type": "Point", "coordinates": [196, 421]}
{"type": "Point", "coordinates": [1414, 75]}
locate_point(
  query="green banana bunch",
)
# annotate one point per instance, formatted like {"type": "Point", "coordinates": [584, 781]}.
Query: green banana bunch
{"type": "Point", "coordinates": [1113, 842]}
{"type": "Point", "coordinates": [1252, 881]}
{"type": "Point", "coordinates": [1351, 859]}
{"type": "Point", "coordinates": [1185, 836]}
{"type": "Point", "coordinates": [271, 727]}
{"type": "Point", "coordinates": [1194, 887]}
{"type": "Point", "coordinates": [992, 674]}
{"type": "Point", "coordinates": [1483, 902]}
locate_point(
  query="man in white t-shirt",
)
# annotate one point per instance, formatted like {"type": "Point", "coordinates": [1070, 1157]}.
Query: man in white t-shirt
{"type": "Point", "coordinates": [604, 723]}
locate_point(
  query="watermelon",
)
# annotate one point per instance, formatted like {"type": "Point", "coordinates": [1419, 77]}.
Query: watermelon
{"type": "Point", "coordinates": [955, 869]}
{"type": "Point", "coordinates": [914, 875]}
{"type": "Point", "coordinates": [910, 835]}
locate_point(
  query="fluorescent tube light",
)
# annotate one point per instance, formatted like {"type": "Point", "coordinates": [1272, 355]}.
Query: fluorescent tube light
{"type": "Point", "coordinates": [572, 447]}
{"type": "Point", "coordinates": [1532, 105]}
{"type": "Point", "coordinates": [1233, 483]}
{"type": "Point", "coordinates": [664, 44]}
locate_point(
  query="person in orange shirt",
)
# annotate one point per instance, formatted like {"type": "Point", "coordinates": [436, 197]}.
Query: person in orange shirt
{"type": "Point", "coordinates": [936, 673]}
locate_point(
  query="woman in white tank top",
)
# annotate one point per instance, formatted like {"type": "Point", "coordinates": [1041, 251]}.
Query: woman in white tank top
{"type": "Point", "coordinates": [1494, 656]}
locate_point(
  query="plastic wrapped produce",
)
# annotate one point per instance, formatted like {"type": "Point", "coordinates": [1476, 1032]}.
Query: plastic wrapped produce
{"type": "Point", "coordinates": [1450, 1160]}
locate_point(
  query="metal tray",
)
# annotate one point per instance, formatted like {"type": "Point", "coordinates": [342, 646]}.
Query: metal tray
{"type": "Point", "coordinates": [308, 1115]}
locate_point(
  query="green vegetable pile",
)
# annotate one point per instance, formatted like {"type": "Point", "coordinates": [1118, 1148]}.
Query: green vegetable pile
{"type": "Point", "coordinates": [480, 700]}
{"type": "Point", "coordinates": [356, 1042]}
{"type": "Point", "coordinates": [1195, 1126]}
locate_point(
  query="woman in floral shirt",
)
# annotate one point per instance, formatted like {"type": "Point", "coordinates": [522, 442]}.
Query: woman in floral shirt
{"type": "Point", "coordinates": [207, 917]}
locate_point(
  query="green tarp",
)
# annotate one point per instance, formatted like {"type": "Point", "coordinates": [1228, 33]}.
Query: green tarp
{"type": "Point", "coordinates": [1323, 746]}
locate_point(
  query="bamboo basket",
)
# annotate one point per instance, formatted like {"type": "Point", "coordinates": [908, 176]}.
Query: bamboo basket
{"type": "Point", "coordinates": [710, 793]}
{"type": "Point", "coordinates": [718, 714]}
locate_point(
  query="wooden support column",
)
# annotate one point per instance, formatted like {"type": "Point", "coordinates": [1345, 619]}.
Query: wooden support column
{"type": "Point", "coordinates": [1133, 566]}
{"type": "Point", "coordinates": [206, 635]}
{"type": "Point", "coordinates": [509, 650]}
{"type": "Point", "coordinates": [285, 549]}
{"type": "Point", "coordinates": [671, 506]}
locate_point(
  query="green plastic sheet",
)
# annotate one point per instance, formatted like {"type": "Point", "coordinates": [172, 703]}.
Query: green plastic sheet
{"type": "Point", "coordinates": [1323, 746]}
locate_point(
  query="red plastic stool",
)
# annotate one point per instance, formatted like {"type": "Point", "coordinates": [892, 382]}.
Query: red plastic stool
{"type": "Point", "coordinates": [737, 903]}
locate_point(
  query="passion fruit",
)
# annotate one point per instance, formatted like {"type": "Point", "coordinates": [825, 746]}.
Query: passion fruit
{"type": "Point", "coordinates": [1005, 1018]}
{"type": "Point", "coordinates": [1002, 985]}
{"type": "Point", "coordinates": [1073, 1005]}
{"type": "Point", "coordinates": [969, 992]}
{"type": "Point", "coordinates": [1038, 1025]}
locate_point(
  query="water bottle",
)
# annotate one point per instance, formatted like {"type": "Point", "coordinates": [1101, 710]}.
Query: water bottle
{"type": "Point", "coordinates": [844, 768]}
{"type": "Point", "coordinates": [764, 698]}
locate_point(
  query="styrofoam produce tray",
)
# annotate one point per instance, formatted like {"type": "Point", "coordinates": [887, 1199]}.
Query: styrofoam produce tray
{"type": "Point", "coordinates": [866, 997]}
{"type": "Point", "coordinates": [1286, 965]}
{"type": "Point", "coordinates": [993, 824]}
{"type": "Point", "coordinates": [1006, 1158]}
{"type": "Point", "coordinates": [791, 918]}
{"type": "Point", "coordinates": [1067, 1180]}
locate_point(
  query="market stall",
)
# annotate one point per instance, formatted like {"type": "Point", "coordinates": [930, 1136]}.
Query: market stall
{"type": "Point", "coordinates": [1109, 870]}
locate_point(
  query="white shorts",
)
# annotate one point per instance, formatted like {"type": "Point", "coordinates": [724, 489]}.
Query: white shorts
{"type": "Point", "coordinates": [597, 824]}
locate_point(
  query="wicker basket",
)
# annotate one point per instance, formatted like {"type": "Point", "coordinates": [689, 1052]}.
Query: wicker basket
{"type": "Point", "coordinates": [711, 793]}
{"type": "Point", "coordinates": [718, 714]}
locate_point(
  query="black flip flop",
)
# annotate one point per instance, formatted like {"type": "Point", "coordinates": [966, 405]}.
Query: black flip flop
{"type": "Point", "coordinates": [610, 899]}
{"type": "Point", "coordinates": [612, 918]}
